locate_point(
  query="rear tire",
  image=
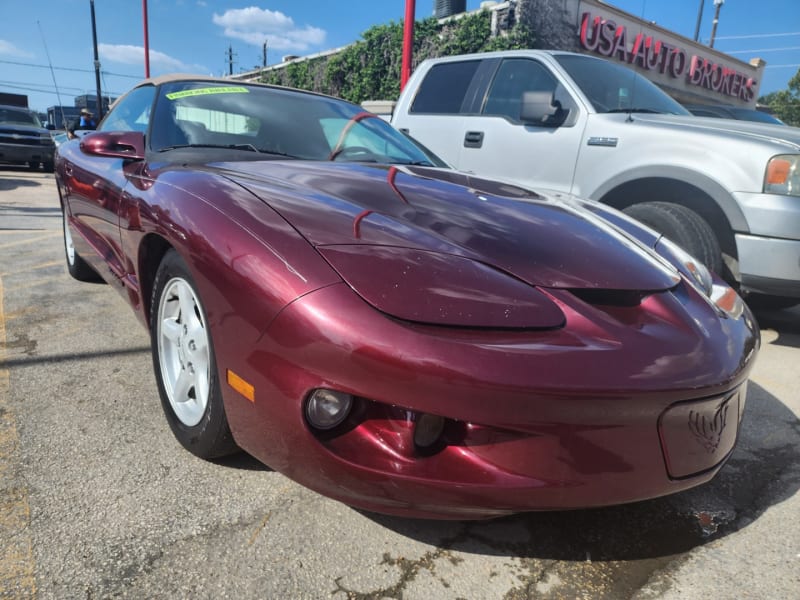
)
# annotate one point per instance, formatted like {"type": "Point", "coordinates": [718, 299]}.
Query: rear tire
{"type": "Point", "coordinates": [684, 227]}
{"type": "Point", "coordinates": [184, 363]}
{"type": "Point", "coordinates": [78, 268]}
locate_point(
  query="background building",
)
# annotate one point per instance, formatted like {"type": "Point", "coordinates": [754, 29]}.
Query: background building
{"type": "Point", "coordinates": [689, 71]}
{"type": "Point", "coordinates": [61, 116]}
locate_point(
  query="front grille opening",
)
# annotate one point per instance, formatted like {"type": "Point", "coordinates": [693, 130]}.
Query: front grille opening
{"type": "Point", "coordinates": [602, 297]}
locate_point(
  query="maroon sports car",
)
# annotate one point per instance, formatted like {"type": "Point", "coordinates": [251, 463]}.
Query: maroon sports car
{"type": "Point", "coordinates": [326, 295]}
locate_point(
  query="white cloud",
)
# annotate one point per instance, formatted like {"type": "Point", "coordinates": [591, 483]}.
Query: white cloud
{"type": "Point", "coordinates": [9, 49]}
{"type": "Point", "coordinates": [256, 26]}
{"type": "Point", "coordinates": [134, 55]}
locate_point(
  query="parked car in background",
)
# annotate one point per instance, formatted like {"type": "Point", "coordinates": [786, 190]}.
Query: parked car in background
{"type": "Point", "coordinates": [324, 294]}
{"type": "Point", "coordinates": [732, 112]}
{"type": "Point", "coordinates": [23, 139]}
{"type": "Point", "coordinates": [726, 191]}
{"type": "Point", "coordinates": [59, 137]}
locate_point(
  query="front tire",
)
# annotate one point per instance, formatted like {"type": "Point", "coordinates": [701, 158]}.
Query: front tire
{"type": "Point", "coordinates": [682, 226]}
{"type": "Point", "coordinates": [184, 363]}
{"type": "Point", "coordinates": [768, 303]}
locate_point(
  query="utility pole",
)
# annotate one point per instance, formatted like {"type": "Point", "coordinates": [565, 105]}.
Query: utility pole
{"type": "Point", "coordinates": [408, 43]}
{"type": "Point", "coordinates": [718, 4]}
{"type": "Point", "coordinates": [96, 65]}
{"type": "Point", "coordinates": [230, 60]}
{"type": "Point", "coordinates": [699, 18]}
{"type": "Point", "coordinates": [146, 41]}
{"type": "Point", "coordinates": [264, 61]}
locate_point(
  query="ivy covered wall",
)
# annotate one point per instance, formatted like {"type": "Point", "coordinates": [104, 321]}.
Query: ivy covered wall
{"type": "Point", "coordinates": [370, 68]}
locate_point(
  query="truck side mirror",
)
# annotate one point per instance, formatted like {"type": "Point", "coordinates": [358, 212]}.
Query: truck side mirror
{"type": "Point", "coordinates": [542, 109]}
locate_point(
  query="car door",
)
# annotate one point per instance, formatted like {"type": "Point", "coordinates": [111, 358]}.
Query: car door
{"type": "Point", "coordinates": [96, 186]}
{"type": "Point", "coordinates": [496, 143]}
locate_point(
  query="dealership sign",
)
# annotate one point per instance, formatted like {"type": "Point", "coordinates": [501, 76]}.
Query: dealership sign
{"type": "Point", "coordinates": [605, 37]}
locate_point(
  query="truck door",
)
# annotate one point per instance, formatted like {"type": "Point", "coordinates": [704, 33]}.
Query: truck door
{"type": "Point", "coordinates": [497, 144]}
{"type": "Point", "coordinates": [435, 115]}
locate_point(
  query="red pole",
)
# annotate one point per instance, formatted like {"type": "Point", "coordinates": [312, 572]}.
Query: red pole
{"type": "Point", "coordinates": [146, 41]}
{"type": "Point", "coordinates": [408, 43]}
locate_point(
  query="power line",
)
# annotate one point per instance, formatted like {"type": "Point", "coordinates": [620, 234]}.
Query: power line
{"type": "Point", "coordinates": [45, 90]}
{"type": "Point", "coordinates": [762, 50]}
{"type": "Point", "coordinates": [22, 64]}
{"type": "Point", "coordinates": [35, 87]}
{"type": "Point", "coordinates": [758, 35]}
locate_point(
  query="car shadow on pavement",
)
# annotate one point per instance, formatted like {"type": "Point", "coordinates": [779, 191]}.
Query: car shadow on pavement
{"type": "Point", "coordinates": [786, 323]}
{"type": "Point", "coordinates": [761, 472]}
{"type": "Point", "coordinates": [243, 461]}
{"type": "Point", "coordinates": [12, 183]}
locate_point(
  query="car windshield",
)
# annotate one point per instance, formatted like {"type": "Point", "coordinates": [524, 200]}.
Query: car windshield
{"type": "Point", "coordinates": [278, 122]}
{"type": "Point", "coordinates": [614, 88]}
{"type": "Point", "coordinates": [755, 115]}
{"type": "Point", "coordinates": [19, 117]}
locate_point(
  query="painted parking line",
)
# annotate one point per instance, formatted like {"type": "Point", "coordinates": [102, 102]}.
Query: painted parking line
{"type": "Point", "coordinates": [17, 579]}
{"type": "Point", "coordinates": [31, 240]}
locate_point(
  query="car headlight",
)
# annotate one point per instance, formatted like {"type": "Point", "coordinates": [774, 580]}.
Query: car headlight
{"type": "Point", "coordinates": [695, 271]}
{"type": "Point", "coordinates": [721, 295]}
{"type": "Point", "coordinates": [441, 289]}
{"type": "Point", "coordinates": [783, 175]}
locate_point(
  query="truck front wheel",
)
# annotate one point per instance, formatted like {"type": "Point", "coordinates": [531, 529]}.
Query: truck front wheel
{"type": "Point", "coordinates": [684, 227]}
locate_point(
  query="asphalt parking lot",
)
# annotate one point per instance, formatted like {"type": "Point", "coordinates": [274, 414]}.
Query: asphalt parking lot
{"type": "Point", "coordinates": [98, 500]}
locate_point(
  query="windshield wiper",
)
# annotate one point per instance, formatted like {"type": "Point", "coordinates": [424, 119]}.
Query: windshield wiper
{"type": "Point", "coordinates": [246, 147]}
{"type": "Point", "coordinates": [635, 110]}
{"type": "Point", "coordinates": [415, 163]}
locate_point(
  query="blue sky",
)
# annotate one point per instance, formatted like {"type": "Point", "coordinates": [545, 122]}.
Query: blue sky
{"type": "Point", "coordinates": [194, 36]}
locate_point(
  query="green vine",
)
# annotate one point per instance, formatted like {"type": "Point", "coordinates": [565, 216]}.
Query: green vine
{"type": "Point", "coordinates": [370, 68]}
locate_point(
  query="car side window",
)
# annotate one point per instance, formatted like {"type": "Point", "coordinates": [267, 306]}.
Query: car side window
{"type": "Point", "coordinates": [444, 88]}
{"type": "Point", "coordinates": [132, 112]}
{"type": "Point", "coordinates": [514, 77]}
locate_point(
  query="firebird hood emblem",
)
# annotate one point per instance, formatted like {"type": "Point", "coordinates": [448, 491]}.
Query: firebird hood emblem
{"type": "Point", "coordinates": [708, 428]}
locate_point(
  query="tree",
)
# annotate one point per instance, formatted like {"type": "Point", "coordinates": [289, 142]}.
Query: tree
{"type": "Point", "coordinates": [370, 68]}
{"type": "Point", "coordinates": [785, 103]}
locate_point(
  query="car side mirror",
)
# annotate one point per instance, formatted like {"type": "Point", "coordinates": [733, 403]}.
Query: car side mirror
{"type": "Point", "coordinates": [50, 127]}
{"type": "Point", "coordinates": [114, 144]}
{"type": "Point", "coordinates": [542, 109]}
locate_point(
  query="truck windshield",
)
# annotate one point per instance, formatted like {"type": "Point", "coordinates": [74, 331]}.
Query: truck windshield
{"type": "Point", "coordinates": [614, 88]}
{"type": "Point", "coordinates": [18, 117]}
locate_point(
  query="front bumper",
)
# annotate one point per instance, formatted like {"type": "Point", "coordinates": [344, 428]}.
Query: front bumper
{"type": "Point", "coordinates": [22, 153]}
{"type": "Point", "coordinates": [620, 405]}
{"type": "Point", "coordinates": [769, 253]}
{"type": "Point", "coordinates": [769, 266]}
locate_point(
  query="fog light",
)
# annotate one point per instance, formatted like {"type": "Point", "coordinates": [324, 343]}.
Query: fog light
{"type": "Point", "coordinates": [428, 430]}
{"type": "Point", "coordinates": [325, 409]}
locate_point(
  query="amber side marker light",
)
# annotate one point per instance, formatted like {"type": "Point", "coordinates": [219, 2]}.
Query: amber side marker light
{"type": "Point", "coordinates": [778, 172]}
{"type": "Point", "coordinates": [241, 386]}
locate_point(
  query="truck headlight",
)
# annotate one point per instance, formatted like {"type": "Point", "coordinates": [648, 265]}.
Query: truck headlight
{"type": "Point", "coordinates": [783, 175]}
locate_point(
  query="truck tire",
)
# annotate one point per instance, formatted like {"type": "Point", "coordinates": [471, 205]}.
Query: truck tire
{"type": "Point", "coordinates": [684, 227]}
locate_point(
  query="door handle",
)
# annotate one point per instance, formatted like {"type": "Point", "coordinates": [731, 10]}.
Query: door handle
{"type": "Point", "coordinates": [473, 139]}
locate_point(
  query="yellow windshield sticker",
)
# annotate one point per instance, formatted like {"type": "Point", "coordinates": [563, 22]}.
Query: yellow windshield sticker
{"type": "Point", "coordinates": [209, 90]}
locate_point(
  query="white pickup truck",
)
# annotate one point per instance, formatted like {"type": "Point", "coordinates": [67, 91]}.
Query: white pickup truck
{"type": "Point", "coordinates": [728, 191]}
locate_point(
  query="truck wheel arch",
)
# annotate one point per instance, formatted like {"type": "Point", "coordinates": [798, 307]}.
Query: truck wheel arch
{"type": "Point", "coordinates": [689, 189]}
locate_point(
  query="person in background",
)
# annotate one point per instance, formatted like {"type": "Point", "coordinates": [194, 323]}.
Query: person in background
{"type": "Point", "coordinates": [84, 121]}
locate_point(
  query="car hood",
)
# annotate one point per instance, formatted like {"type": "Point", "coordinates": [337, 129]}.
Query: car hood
{"type": "Point", "coordinates": [27, 130]}
{"type": "Point", "coordinates": [542, 240]}
{"type": "Point", "coordinates": [787, 137]}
